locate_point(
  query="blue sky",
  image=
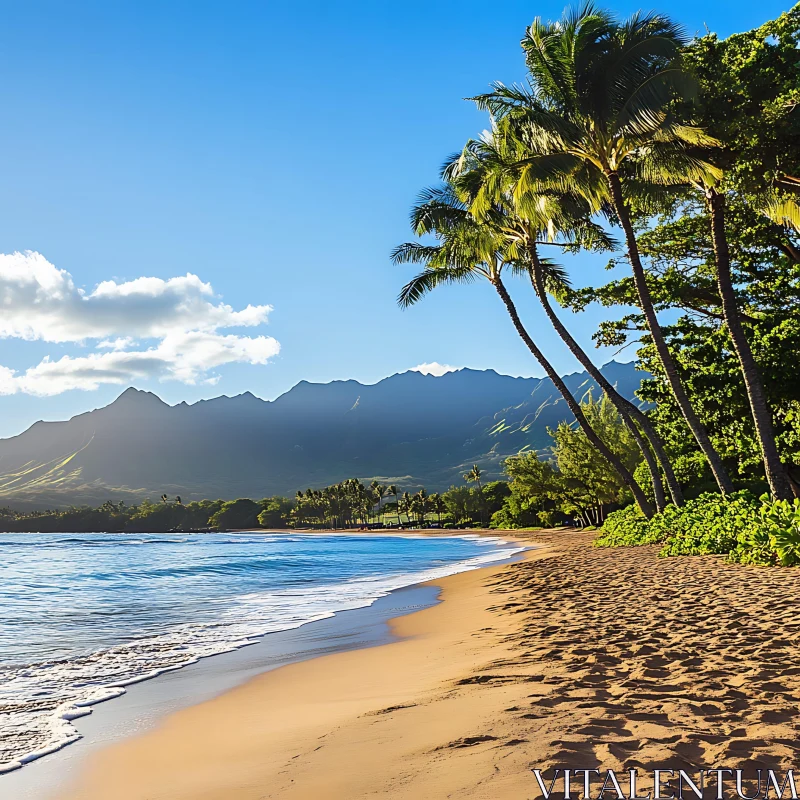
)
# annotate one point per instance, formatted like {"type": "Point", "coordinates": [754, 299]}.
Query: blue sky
{"type": "Point", "coordinates": [273, 151]}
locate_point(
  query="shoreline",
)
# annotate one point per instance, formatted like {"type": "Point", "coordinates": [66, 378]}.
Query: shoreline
{"type": "Point", "coordinates": [573, 656]}
{"type": "Point", "coordinates": [285, 686]}
{"type": "Point", "coordinates": [343, 630]}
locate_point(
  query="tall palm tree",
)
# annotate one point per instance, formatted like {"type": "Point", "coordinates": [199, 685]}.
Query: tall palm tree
{"type": "Point", "coordinates": [468, 250]}
{"type": "Point", "coordinates": [485, 173]}
{"type": "Point", "coordinates": [596, 117]}
{"type": "Point", "coordinates": [420, 505]}
{"type": "Point", "coordinates": [474, 476]}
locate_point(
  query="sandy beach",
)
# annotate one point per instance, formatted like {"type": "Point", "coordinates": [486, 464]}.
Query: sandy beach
{"type": "Point", "coordinates": [575, 656]}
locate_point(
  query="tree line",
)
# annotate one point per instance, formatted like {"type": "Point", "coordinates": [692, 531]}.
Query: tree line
{"type": "Point", "coordinates": [681, 159]}
{"type": "Point", "coordinates": [349, 504]}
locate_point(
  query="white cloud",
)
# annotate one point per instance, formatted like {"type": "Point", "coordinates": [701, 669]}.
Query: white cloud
{"type": "Point", "coordinates": [434, 368]}
{"type": "Point", "coordinates": [41, 302]}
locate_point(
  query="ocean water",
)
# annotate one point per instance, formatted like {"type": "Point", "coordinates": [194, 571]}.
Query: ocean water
{"type": "Point", "coordinates": [82, 616]}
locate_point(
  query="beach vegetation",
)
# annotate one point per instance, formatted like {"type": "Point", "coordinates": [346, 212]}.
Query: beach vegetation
{"type": "Point", "coordinates": [680, 158]}
{"type": "Point", "coordinates": [570, 482]}
{"type": "Point", "coordinates": [747, 529]}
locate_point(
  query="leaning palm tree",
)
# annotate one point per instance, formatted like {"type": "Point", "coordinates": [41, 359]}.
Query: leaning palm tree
{"type": "Point", "coordinates": [469, 250]}
{"type": "Point", "coordinates": [596, 119]}
{"type": "Point", "coordinates": [484, 175]}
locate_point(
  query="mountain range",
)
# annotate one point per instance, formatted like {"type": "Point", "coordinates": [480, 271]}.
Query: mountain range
{"type": "Point", "coordinates": [409, 429]}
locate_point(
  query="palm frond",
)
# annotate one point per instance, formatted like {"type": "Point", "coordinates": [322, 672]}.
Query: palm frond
{"type": "Point", "coordinates": [644, 109]}
{"type": "Point", "coordinates": [784, 212]}
{"type": "Point", "coordinates": [428, 280]}
{"type": "Point", "coordinates": [670, 164]}
{"type": "Point", "coordinates": [415, 253]}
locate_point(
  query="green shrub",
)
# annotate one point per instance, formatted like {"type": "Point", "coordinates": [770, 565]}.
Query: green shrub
{"type": "Point", "coordinates": [709, 524]}
{"type": "Point", "coordinates": [782, 520]}
{"type": "Point", "coordinates": [746, 529]}
{"type": "Point", "coordinates": [776, 537]}
{"type": "Point", "coordinates": [625, 528]}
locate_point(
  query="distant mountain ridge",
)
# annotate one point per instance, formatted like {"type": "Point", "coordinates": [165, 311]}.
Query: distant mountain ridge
{"type": "Point", "coordinates": [410, 429]}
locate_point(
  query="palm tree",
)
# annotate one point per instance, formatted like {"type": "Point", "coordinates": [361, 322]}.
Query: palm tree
{"type": "Point", "coordinates": [531, 220]}
{"type": "Point", "coordinates": [422, 504]}
{"type": "Point", "coordinates": [777, 476]}
{"type": "Point", "coordinates": [474, 476]}
{"type": "Point", "coordinates": [404, 506]}
{"type": "Point", "coordinates": [380, 492]}
{"type": "Point", "coordinates": [596, 119]}
{"type": "Point", "coordinates": [468, 250]}
{"type": "Point", "coordinates": [437, 506]}
{"type": "Point", "coordinates": [392, 490]}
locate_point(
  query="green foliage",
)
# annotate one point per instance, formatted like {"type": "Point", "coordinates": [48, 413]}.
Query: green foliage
{"type": "Point", "coordinates": [588, 480]}
{"type": "Point", "coordinates": [746, 529]}
{"type": "Point", "coordinates": [463, 503]}
{"type": "Point", "coordinates": [782, 520]}
{"type": "Point", "coordinates": [241, 513]}
{"type": "Point", "coordinates": [516, 512]}
{"type": "Point", "coordinates": [275, 512]}
{"type": "Point", "coordinates": [776, 537]}
{"type": "Point", "coordinates": [624, 528]}
{"type": "Point", "coordinates": [709, 524]}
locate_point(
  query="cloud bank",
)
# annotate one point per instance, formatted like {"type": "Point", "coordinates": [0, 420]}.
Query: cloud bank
{"type": "Point", "coordinates": [39, 302]}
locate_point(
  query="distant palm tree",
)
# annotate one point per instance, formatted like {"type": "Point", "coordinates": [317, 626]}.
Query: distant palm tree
{"type": "Point", "coordinates": [404, 506]}
{"type": "Point", "coordinates": [437, 506]}
{"type": "Point", "coordinates": [420, 505]}
{"type": "Point", "coordinates": [392, 490]}
{"type": "Point", "coordinates": [474, 476]}
{"type": "Point", "coordinates": [379, 492]}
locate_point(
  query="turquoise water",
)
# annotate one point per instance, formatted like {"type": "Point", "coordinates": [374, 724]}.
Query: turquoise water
{"type": "Point", "coordinates": [84, 615]}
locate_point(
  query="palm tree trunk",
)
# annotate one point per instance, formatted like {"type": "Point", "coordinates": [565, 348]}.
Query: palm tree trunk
{"type": "Point", "coordinates": [646, 303]}
{"type": "Point", "coordinates": [777, 476]}
{"type": "Point", "coordinates": [627, 410]}
{"type": "Point", "coordinates": [574, 406]}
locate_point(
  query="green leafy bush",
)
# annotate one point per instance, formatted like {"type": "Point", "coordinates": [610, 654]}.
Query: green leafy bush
{"type": "Point", "coordinates": [776, 537]}
{"type": "Point", "coordinates": [709, 524]}
{"type": "Point", "coordinates": [747, 529]}
{"type": "Point", "coordinates": [625, 528]}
